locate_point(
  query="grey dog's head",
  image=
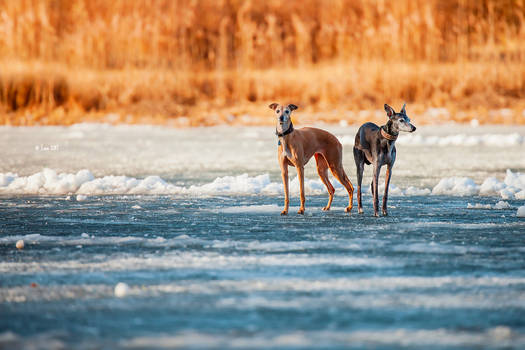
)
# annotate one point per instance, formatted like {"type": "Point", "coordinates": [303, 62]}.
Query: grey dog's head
{"type": "Point", "coordinates": [400, 121]}
{"type": "Point", "coordinates": [283, 115]}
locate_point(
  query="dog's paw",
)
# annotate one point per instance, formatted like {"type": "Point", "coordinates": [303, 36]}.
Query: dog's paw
{"type": "Point", "coordinates": [284, 212]}
{"type": "Point", "coordinates": [301, 211]}
{"type": "Point", "coordinates": [348, 209]}
{"type": "Point", "coordinates": [360, 211]}
{"type": "Point", "coordinates": [326, 208]}
{"type": "Point", "coordinates": [385, 213]}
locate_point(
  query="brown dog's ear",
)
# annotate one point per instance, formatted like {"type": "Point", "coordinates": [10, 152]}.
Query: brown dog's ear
{"type": "Point", "coordinates": [273, 106]}
{"type": "Point", "coordinates": [389, 111]}
{"type": "Point", "coordinates": [292, 107]}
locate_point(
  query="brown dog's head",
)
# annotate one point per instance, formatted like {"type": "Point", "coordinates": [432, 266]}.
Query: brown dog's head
{"type": "Point", "coordinates": [283, 114]}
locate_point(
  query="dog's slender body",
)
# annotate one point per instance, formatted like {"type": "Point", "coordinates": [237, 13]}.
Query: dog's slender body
{"type": "Point", "coordinates": [296, 148]}
{"type": "Point", "coordinates": [376, 145]}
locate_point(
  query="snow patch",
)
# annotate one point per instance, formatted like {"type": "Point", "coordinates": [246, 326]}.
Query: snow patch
{"type": "Point", "coordinates": [502, 205]}
{"type": "Point", "coordinates": [498, 206]}
{"type": "Point", "coordinates": [456, 186]}
{"type": "Point", "coordinates": [478, 206]}
{"type": "Point", "coordinates": [512, 187]}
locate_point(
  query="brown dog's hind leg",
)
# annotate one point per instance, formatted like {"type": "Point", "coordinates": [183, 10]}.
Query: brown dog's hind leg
{"type": "Point", "coordinates": [335, 161]}
{"type": "Point", "coordinates": [340, 175]}
{"type": "Point", "coordinates": [322, 170]}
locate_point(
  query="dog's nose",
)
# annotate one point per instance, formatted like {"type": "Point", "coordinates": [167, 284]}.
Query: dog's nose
{"type": "Point", "coordinates": [281, 119]}
{"type": "Point", "coordinates": [413, 128]}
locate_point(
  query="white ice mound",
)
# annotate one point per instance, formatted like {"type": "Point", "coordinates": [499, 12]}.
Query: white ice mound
{"type": "Point", "coordinates": [456, 186]}
{"type": "Point", "coordinates": [500, 205]}
{"type": "Point", "coordinates": [81, 197]}
{"type": "Point", "coordinates": [121, 290]}
{"type": "Point", "coordinates": [479, 206]}
{"type": "Point", "coordinates": [491, 186]}
{"type": "Point", "coordinates": [44, 182]}
{"type": "Point", "coordinates": [82, 183]}
{"type": "Point", "coordinates": [242, 184]}
{"type": "Point", "coordinates": [513, 187]}
{"type": "Point", "coordinates": [521, 212]}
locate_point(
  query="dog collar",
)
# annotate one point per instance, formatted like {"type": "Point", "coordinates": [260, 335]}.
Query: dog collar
{"type": "Point", "coordinates": [387, 135]}
{"type": "Point", "coordinates": [288, 131]}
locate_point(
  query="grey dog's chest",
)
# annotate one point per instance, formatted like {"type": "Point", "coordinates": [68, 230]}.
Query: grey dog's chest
{"type": "Point", "coordinates": [381, 150]}
{"type": "Point", "coordinates": [387, 152]}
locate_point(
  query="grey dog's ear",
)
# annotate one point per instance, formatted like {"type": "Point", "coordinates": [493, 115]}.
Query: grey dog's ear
{"type": "Point", "coordinates": [273, 106]}
{"type": "Point", "coordinates": [403, 110]}
{"type": "Point", "coordinates": [292, 107]}
{"type": "Point", "coordinates": [389, 111]}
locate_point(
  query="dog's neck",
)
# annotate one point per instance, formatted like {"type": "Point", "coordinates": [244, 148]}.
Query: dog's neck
{"type": "Point", "coordinates": [285, 132]}
{"type": "Point", "coordinates": [389, 131]}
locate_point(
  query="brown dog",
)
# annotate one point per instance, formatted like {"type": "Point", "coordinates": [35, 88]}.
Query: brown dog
{"type": "Point", "coordinates": [296, 147]}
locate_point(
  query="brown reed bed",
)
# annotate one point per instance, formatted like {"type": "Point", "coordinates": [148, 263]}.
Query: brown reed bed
{"type": "Point", "coordinates": [207, 62]}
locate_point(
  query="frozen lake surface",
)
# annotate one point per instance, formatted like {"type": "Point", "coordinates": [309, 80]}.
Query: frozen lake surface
{"type": "Point", "coordinates": [189, 221]}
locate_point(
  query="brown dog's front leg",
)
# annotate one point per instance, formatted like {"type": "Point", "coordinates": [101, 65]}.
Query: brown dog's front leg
{"type": "Point", "coordinates": [300, 174]}
{"type": "Point", "coordinates": [284, 174]}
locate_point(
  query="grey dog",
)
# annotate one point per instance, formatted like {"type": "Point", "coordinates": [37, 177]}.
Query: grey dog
{"type": "Point", "coordinates": [376, 145]}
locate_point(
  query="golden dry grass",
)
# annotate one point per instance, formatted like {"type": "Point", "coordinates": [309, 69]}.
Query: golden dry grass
{"type": "Point", "coordinates": [204, 62]}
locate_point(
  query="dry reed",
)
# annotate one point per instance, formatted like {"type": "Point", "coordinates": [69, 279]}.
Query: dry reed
{"type": "Point", "coordinates": [214, 60]}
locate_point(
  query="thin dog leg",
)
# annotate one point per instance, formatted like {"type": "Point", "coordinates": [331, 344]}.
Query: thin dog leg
{"type": "Point", "coordinates": [359, 182]}
{"type": "Point", "coordinates": [340, 175]}
{"type": "Point", "coordinates": [359, 164]}
{"type": "Point", "coordinates": [350, 190]}
{"type": "Point", "coordinates": [300, 174]}
{"type": "Point", "coordinates": [387, 183]}
{"type": "Point", "coordinates": [322, 170]}
{"type": "Point", "coordinates": [377, 169]}
{"type": "Point", "coordinates": [284, 174]}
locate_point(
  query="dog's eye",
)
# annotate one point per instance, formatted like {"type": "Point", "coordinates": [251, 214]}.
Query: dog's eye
{"type": "Point", "coordinates": [287, 112]}
{"type": "Point", "coordinates": [277, 111]}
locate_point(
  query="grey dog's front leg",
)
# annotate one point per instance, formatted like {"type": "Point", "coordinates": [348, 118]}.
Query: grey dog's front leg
{"type": "Point", "coordinates": [388, 175]}
{"type": "Point", "coordinates": [359, 164]}
{"type": "Point", "coordinates": [377, 169]}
